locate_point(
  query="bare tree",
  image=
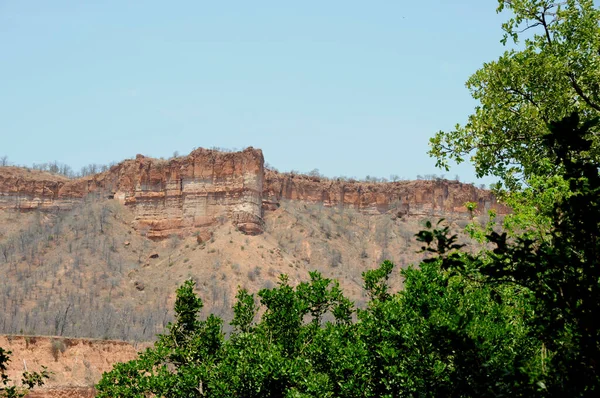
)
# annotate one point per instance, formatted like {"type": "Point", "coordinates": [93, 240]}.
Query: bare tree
{"type": "Point", "coordinates": [6, 249]}
{"type": "Point", "coordinates": [314, 173]}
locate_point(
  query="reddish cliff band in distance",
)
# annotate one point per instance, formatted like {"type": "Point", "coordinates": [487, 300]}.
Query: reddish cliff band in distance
{"type": "Point", "coordinates": [184, 194]}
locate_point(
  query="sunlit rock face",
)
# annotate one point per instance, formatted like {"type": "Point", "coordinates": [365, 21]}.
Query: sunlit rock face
{"type": "Point", "coordinates": [23, 189]}
{"type": "Point", "coordinates": [186, 193]}
{"type": "Point", "coordinates": [434, 197]}
{"type": "Point", "coordinates": [183, 195]}
{"type": "Point", "coordinates": [175, 196]}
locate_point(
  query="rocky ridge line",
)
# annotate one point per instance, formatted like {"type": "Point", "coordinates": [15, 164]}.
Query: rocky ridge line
{"type": "Point", "coordinates": [186, 194]}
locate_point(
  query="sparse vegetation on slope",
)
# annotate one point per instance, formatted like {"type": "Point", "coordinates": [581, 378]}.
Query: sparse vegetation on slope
{"type": "Point", "coordinates": [86, 272]}
{"type": "Point", "coordinates": [65, 274]}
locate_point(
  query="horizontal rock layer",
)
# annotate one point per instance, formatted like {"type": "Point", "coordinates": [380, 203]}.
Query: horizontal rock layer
{"type": "Point", "coordinates": [194, 191]}
{"type": "Point", "coordinates": [167, 196]}
{"type": "Point", "coordinates": [181, 195]}
{"type": "Point", "coordinates": [431, 197]}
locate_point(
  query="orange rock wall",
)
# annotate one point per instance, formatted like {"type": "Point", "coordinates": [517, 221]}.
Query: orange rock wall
{"type": "Point", "coordinates": [64, 392]}
{"type": "Point", "coordinates": [181, 195]}
{"type": "Point", "coordinates": [173, 196]}
{"type": "Point", "coordinates": [190, 192]}
{"type": "Point", "coordinates": [27, 190]}
{"type": "Point", "coordinates": [435, 197]}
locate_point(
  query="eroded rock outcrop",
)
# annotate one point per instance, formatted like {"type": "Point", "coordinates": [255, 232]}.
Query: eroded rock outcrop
{"type": "Point", "coordinates": [432, 197]}
{"type": "Point", "coordinates": [167, 196]}
{"type": "Point", "coordinates": [185, 194]}
{"type": "Point", "coordinates": [75, 364]}
{"type": "Point", "coordinates": [191, 192]}
{"type": "Point", "coordinates": [24, 189]}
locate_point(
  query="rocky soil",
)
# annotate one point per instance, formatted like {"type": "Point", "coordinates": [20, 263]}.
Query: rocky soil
{"type": "Point", "coordinates": [75, 364]}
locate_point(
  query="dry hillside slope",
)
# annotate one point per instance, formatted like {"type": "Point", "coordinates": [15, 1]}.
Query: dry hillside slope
{"type": "Point", "coordinates": [101, 256]}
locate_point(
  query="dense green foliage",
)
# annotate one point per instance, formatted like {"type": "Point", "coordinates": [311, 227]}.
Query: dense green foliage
{"type": "Point", "coordinates": [517, 320]}
{"type": "Point", "coordinates": [552, 71]}
{"type": "Point", "coordinates": [562, 273]}
{"type": "Point", "coordinates": [442, 336]}
{"type": "Point", "coordinates": [28, 380]}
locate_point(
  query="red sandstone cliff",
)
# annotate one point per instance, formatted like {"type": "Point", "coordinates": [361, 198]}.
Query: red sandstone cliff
{"type": "Point", "coordinates": [29, 189]}
{"type": "Point", "coordinates": [168, 196]}
{"type": "Point", "coordinates": [435, 197]}
{"type": "Point", "coordinates": [180, 195]}
{"type": "Point", "coordinates": [192, 191]}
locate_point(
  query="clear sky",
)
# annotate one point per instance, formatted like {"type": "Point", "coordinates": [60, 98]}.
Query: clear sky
{"type": "Point", "coordinates": [352, 88]}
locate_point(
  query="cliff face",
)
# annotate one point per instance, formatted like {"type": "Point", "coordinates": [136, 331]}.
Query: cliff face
{"type": "Point", "coordinates": [168, 197]}
{"type": "Point", "coordinates": [180, 195]}
{"type": "Point", "coordinates": [30, 189]}
{"type": "Point", "coordinates": [24, 189]}
{"type": "Point", "coordinates": [192, 191]}
{"type": "Point", "coordinates": [436, 197]}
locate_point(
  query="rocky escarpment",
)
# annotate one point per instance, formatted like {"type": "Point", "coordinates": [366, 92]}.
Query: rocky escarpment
{"type": "Point", "coordinates": [432, 197]}
{"type": "Point", "coordinates": [24, 189]}
{"type": "Point", "coordinates": [184, 194]}
{"type": "Point", "coordinates": [167, 196]}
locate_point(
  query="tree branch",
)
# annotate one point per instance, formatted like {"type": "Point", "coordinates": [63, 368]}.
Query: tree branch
{"type": "Point", "coordinates": [580, 92]}
{"type": "Point", "coordinates": [527, 96]}
{"type": "Point", "coordinates": [543, 21]}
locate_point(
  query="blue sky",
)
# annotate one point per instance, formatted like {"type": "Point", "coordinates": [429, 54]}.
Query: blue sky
{"type": "Point", "coordinates": [352, 88]}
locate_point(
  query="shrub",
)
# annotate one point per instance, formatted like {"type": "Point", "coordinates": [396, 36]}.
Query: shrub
{"type": "Point", "coordinates": [57, 347]}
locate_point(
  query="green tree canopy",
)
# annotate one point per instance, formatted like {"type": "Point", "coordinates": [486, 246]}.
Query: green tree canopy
{"type": "Point", "coordinates": [554, 71]}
